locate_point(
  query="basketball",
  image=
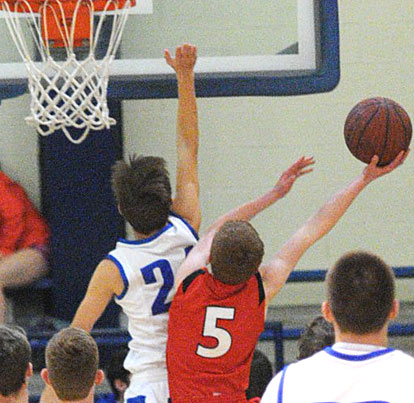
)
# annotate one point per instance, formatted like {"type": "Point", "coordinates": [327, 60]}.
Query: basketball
{"type": "Point", "coordinates": [377, 126]}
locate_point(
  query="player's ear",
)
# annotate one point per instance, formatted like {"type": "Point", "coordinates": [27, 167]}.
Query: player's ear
{"type": "Point", "coordinates": [99, 377]}
{"type": "Point", "coordinates": [29, 370]}
{"type": "Point", "coordinates": [44, 373]}
{"type": "Point", "coordinates": [327, 312]}
{"type": "Point", "coordinates": [395, 309]}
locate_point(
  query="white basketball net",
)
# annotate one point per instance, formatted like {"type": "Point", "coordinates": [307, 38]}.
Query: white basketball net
{"type": "Point", "coordinates": [72, 93]}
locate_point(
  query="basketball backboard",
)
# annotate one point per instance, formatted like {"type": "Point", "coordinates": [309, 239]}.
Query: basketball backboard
{"type": "Point", "coordinates": [245, 47]}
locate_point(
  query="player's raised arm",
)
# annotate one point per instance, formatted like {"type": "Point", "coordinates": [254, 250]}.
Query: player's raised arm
{"type": "Point", "coordinates": [199, 255]}
{"type": "Point", "coordinates": [105, 282]}
{"type": "Point", "coordinates": [186, 202]}
{"type": "Point", "coordinates": [276, 272]}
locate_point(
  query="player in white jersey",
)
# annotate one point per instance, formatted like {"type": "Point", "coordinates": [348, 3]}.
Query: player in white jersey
{"type": "Point", "coordinates": [140, 273]}
{"type": "Point", "coordinates": [358, 368]}
{"type": "Point", "coordinates": [144, 265]}
{"type": "Point", "coordinates": [342, 374]}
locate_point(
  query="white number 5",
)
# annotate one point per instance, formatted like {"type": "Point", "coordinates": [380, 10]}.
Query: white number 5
{"type": "Point", "coordinates": [223, 337]}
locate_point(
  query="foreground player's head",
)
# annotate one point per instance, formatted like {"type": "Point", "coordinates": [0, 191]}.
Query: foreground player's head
{"type": "Point", "coordinates": [236, 252]}
{"type": "Point", "coordinates": [361, 292]}
{"type": "Point", "coordinates": [15, 365]}
{"type": "Point", "coordinates": [72, 361]}
{"type": "Point", "coordinates": [318, 334]}
{"type": "Point", "coordinates": [143, 192]}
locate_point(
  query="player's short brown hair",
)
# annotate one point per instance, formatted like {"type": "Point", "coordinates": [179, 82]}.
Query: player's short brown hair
{"type": "Point", "coordinates": [318, 334]}
{"type": "Point", "coordinates": [143, 191]}
{"type": "Point", "coordinates": [236, 252]}
{"type": "Point", "coordinates": [361, 292]}
{"type": "Point", "coordinates": [15, 356]}
{"type": "Point", "coordinates": [72, 361]}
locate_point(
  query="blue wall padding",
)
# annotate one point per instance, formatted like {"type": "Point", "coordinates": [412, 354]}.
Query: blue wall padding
{"type": "Point", "coordinates": [78, 203]}
{"type": "Point", "coordinates": [12, 90]}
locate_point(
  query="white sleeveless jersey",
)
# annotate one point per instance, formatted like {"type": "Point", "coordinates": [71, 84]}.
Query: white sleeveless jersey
{"type": "Point", "coordinates": [382, 376]}
{"type": "Point", "coordinates": [148, 268]}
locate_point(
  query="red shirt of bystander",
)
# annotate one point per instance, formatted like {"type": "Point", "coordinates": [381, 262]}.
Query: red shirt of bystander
{"type": "Point", "coordinates": [21, 225]}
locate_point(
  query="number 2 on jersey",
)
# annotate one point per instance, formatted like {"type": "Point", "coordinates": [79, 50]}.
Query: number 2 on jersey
{"type": "Point", "coordinates": [210, 329]}
{"type": "Point", "coordinates": [159, 305]}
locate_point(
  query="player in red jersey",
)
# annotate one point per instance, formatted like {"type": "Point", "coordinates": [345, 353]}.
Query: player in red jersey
{"type": "Point", "coordinates": [207, 310]}
{"type": "Point", "coordinates": [216, 316]}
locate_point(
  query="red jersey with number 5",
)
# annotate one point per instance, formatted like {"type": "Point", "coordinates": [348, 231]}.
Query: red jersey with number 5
{"type": "Point", "coordinates": [213, 329]}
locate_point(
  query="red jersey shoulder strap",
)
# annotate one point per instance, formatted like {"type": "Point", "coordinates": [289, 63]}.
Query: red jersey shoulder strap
{"type": "Point", "coordinates": [262, 295]}
{"type": "Point", "coordinates": [189, 279]}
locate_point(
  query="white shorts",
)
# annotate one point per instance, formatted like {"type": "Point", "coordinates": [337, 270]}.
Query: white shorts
{"type": "Point", "coordinates": [147, 392]}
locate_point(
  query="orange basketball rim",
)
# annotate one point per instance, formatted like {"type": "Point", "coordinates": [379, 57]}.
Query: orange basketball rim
{"type": "Point", "coordinates": [65, 23]}
{"type": "Point", "coordinates": [68, 88]}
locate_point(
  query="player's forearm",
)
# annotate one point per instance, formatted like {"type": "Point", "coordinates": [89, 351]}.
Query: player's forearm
{"type": "Point", "coordinates": [83, 319]}
{"type": "Point", "coordinates": [200, 254]}
{"type": "Point", "coordinates": [187, 118]}
{"type": "Point", "coordinates": [330, 213]}
{"type": "Point", "coordinates": [277, 271]}
{"type": "Point", "coordinates": [250, 209]}
{"type": "Point", "coordinates": [244, 212]}
{"type": "Point", "coordinates": [324, 220]}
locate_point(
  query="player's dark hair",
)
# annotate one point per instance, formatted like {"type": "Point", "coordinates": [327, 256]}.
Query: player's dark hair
{"type": "Point", "coordinates": [318, 334]}
{"type": "Point", "coordinates": [236, 252]}
{"type": "Point", "coordinates": [115, 370]}
{"type": "Point", "coordinates": [15, 356]}
{"type": "Point", "coordinates": [261, 373]}
{"type": "Point", "coordinates": [72, 361]}
{"type": "Point", "coordinates": [143, 192]}
{"type": "Point", "coordinates": [361, 289]}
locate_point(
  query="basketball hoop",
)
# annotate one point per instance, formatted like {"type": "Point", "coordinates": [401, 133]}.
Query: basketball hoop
{"type": "Point", "coordinates": [67, 91]}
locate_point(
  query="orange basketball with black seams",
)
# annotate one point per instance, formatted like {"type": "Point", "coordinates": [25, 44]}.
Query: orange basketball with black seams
{"type": "Point", "coordinates": [377, 126]}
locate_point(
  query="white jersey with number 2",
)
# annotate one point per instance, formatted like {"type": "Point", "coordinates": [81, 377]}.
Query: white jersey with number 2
{"type": "Point", "coordinates": [148, 268]}
{"type": "Point", "coordinates": [341, 375]}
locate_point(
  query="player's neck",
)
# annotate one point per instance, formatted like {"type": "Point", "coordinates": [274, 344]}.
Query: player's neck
{"type": "Point", "coordinates": [88, 399]}
{"type": "Point", "coordinates": [139, 235]}
{"type": "Point", "coordinates": [376, 339]}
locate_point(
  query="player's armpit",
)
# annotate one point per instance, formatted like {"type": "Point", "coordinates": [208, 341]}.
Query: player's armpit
{"type": "Point", "coordinates": [106, 281]}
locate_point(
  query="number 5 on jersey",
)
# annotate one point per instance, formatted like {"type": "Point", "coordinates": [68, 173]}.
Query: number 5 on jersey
{"type": "Point", "coordinates": [210, 329]}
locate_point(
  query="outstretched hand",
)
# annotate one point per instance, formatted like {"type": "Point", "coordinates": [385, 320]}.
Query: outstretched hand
{"type": "Point", "coordinates": [185, 58]}
{"type": "Point", "coordinates": [372, 171]}
{"type": "Point", "coordinates": [288, 178]}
